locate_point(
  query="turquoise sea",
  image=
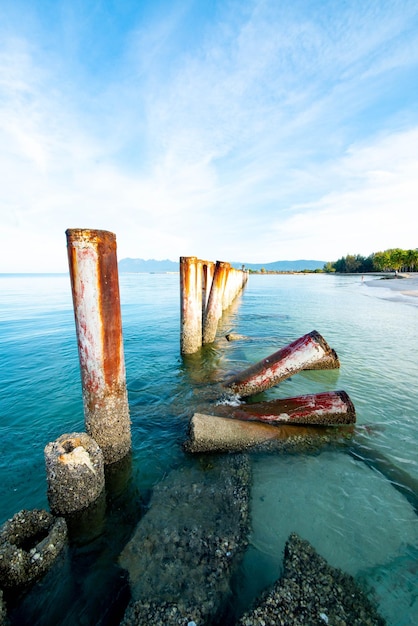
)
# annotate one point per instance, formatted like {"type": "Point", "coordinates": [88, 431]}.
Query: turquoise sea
{"type": "Point", "coordinates": [361, 515]}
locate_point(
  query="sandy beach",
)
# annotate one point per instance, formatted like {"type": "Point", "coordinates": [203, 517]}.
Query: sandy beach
{"type": "Point", "coordinates": [401, 288]}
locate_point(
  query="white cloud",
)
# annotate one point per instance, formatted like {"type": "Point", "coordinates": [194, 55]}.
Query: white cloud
{"type": "Point", "coordinates": [270, 137]}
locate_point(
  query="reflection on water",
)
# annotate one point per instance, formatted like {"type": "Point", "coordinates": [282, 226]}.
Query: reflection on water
{"type": "Point", "coordinates": [347, 508]}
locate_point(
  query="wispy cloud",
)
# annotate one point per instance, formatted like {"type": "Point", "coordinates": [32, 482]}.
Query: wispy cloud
{"type": "Point", "coordinates": [271, 131]}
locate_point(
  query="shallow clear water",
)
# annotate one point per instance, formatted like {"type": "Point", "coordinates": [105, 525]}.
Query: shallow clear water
{"type": "Point", "coordinates": [349, 511]}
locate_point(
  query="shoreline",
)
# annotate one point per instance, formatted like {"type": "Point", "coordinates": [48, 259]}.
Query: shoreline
{"type": "Point", "coordinates": [402, 288]}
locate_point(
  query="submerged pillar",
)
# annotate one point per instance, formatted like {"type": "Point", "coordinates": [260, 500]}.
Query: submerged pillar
{"type": "Point", "coordinates": [95, 290]}
{"type": "Point", "coordinates": [299, 355]}
{"type": "Point", "coordinates": [190, 304]}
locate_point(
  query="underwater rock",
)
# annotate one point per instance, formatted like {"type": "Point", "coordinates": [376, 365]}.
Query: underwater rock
{"type": "Point", "coordinates": [185, 549]}
{"type": "Point", "coordinates": [312, 592]}
{"type": "Point", "coordinates": [29, 544]}
{"type": "Point", "coordinates": [3, 612]}
{"type": "Point", "coordinates": [235, 337]}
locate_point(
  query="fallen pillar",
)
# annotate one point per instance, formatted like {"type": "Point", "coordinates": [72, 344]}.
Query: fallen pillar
{"type": "Point", "coordinates": [186, 549]}
{"type": "Point", "coordinates": [301, 354]}
{"type": "Point", "coordinates": [95, 290]}
{"type": "Point", "coordinates": [75, 473]}
{"type": "Point", "coordinates": [30, 542]}
{"type": "Point", "coordinates": [320, 409]}
{"type": "Point", "coordinates": [191, 277]}
{"type": "Point", "coordinates": [210, 433]}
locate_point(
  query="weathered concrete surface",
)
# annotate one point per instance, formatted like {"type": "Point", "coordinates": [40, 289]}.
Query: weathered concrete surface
{"type": "Point", "coordinates": [75, 473]}
{"type": "Point", "coordinates": [210, 433]}
{"type": "Point", "coordinates": [312, 592]}
{"type": "Point", "coordinates": [186, 548]}
{"type": "Point", "coordinates": [303, 353]}
{"type": "Point", "coordinates": [191, 294]}
{"type": "Point", "coordinates": [29, 544]}
{"type": "Point", "coordinates": [3, 610]}
{"type": "Point", "coordinates": [328, 408]}
{"type": "Point", "coordinates": [95, 290]}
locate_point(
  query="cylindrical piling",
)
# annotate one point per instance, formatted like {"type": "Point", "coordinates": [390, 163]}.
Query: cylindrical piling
{"type": "Point", "coordinates": [208, 271]}
{"type": "Point", "coordinates": [328, 408]}
{"type": "Point", "coordinates": [190, 304]}
{"type": "Point", "coordinates": [216, 302]}
{"type": "Point", "coordinates": [300, 354]}
{"type": "Point", "coordinates": [75, 473]}
{"type": "Point", "coordinates": [95, 289]}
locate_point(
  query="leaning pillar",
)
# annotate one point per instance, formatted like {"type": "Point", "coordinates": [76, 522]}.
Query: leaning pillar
{"type": "Point", "coordinates": [95, 290]}
{"type": "Point", "coordinates": [215, 304]}
{"type": "Point", "coordinates": [301, 354]}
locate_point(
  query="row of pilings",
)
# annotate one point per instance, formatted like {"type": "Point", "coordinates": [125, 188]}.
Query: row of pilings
{"type": "Point", "coordinates": [206, 290]}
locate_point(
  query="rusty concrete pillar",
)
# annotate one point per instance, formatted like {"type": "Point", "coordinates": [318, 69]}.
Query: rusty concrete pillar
{"type": "Point", "coordinates": [190, 304]}
{"type": "Point", "coordinates": [298, 355]}
{"type": "Point", "coordinates": [327, 408]}
{"type": "Point", "coordinates": [215, 304]}
{"type": "Point", "coordinates": [208, 271]}
{"type": "Point", "coordinates": [95, 290]}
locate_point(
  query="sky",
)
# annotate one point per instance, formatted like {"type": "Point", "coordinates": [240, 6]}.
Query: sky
{"type": "Point", "coordinates": [236, 130]}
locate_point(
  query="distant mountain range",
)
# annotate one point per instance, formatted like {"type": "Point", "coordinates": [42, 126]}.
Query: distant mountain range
{"type": "Point", "coordinates": [153, 266]}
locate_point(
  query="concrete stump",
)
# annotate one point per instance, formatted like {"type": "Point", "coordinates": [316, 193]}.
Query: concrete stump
{"type": "Point", "coordinates": [75, 473]}
{"type": "Point", "coordinates": [29, 544]}
{"type": "Point", "coordinates": [301, 354]}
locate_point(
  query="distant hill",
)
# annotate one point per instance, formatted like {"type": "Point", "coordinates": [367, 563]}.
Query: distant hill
{"type": "Point", "coordinates": [147, 266]}
{"type": "Point", "coordinates": [151, 266]}
{"type": "Point", "coordinates": [284, 266]}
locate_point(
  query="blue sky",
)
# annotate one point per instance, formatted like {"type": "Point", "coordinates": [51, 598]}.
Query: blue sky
{"type": "Point", "coordinates": [235, 130]}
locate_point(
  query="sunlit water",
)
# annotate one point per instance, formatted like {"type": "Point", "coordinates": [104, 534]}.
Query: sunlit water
{"type": "Point", "coordinates": [350, 512]}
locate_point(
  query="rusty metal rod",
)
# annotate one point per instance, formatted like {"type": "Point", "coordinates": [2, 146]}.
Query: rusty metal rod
{"type": "Point", "coordinates": [95, 291]}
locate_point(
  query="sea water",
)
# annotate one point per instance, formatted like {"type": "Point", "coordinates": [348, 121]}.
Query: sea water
{"type": "Point", "coordinates": [351, 512]}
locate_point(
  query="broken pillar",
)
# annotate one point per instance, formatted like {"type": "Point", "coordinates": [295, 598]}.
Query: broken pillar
{"type": "Point", "coordinates": [299, 355]}
{"type": "Point", "coordinates": [211, 433]}
{"type": "Point", "coordinates": [30, 542]}
{"type": "Point", "coordinates": [95, 290]}
{"type": "Point", "coordinates": [320, 409]}
{"type": "Point", "coordinates": [75, 473]}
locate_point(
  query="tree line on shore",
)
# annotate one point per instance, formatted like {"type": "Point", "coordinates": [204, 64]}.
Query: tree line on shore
{"type": "Point", "coordinates": [391, 260]}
